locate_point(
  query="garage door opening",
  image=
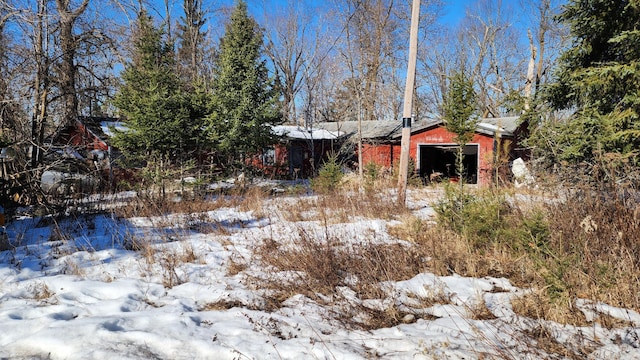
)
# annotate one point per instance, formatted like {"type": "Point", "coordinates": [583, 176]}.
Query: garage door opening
{"type": "Point", "coordinates": [437, 162]}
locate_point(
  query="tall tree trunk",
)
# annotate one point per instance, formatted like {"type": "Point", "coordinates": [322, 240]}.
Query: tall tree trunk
{"type": "Point", "coordinates": [530, 75]}
{"type": "Point", "coordinates": [41, 86]}
{"type": "Point", "coordinates": [68, 70]}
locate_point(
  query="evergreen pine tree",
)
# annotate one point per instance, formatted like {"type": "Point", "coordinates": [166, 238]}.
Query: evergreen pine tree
{"type": "Point", "coordinates": [599, 79]}
{"type": "Point", "coordinates": [162, 119]}
{"type": "Point", "coordinates": [244, 101]}
{"type": "Point", "coordinates": [459, 114]}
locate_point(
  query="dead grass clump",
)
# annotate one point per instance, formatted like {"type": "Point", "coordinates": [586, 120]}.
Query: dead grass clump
{"type": "Point", "coordinates": [303, 209]}
{"type": "Point", "coordinates": [345, 206]}
{"type": "Point", "coordinates": [41, 292]}
{"type": "Point", "coordinates": [235, 267]}
{"type": "Point", "coordinates": [539, 305]}
{"type": "Point", "coordinates": [204, 224]}
{"type": "Point", "coordinates": [253, 200]}
{"type": "Point", "coordinates": [547, 342]}
{"type": "Point", "coordinates": [143, 207]}
{"type": "Point", "coordinates": [321, 268]}
{"type": "Point", "coordinates": [198, 205]}
{"type": "Point", "coordinates": [411, 229]}
{"type": "Point", "coordinates": [600, 233]}
{"type": "Point", "coordinates": [59, 234]}
{"type": "Point", "coordinates": [376, 263]}
{"type": "Point", "coordinates": [322, 265]}
{"type": "Point", "coordinates": [221, 305]}
{"type": "Point", "coordinates": [148, 206]}
{"type": "Point", "coordinates": [133, 242]}
{"type": "Point", "coordinates": [171, 261]}
{"type": "Point", "coordinates": [315, 263]}
{"type": "Point", "coordinates": [450, 253]}
{"type": "Point", "coordinates": [71, 267]}
{"type": "Point", "coordinates": [480, 311]}
{"type": "Point", "coordinates": [168, 262]}
{"type": "Point", "coordinates": [366, 318]}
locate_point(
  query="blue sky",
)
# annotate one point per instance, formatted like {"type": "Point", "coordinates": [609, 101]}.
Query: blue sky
{"type": "Point", "coordinates": [454, 10]}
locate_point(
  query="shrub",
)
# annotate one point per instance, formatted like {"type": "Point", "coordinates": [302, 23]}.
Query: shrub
{"type": "Point", "coordinates": [329, 176]}
{"type": "Point", "coordinates": [480, 219]}
{"type": "Point", "coordinates": [372, 173]}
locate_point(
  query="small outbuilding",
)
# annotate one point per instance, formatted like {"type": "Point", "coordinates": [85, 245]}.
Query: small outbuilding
{"type": "Point", "coordinates": [433, 148]}
{"type": "Point", "coordinates": [81, 150]}
{"type": "Point", "coordinates": [300, 152]}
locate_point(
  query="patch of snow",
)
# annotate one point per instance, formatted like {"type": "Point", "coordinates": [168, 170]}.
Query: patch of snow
{"type": "Point", "coordinates": [87, 297]}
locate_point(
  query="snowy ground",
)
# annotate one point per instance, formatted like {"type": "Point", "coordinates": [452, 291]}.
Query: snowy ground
{"type": "Point", "coordinates": [83, 296]}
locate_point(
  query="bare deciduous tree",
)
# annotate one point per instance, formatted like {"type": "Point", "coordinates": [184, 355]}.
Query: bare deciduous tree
{"type": "Point", "coordinates": [486, 42]}
{"type": "Point", "coordinates": [8, 107]}
{"type": "Point", "coordinates": [289, 45]}
{"type": "Point", "coordinates": [191, 37]}
{"type": "Point", "coordinates": [69, 43]}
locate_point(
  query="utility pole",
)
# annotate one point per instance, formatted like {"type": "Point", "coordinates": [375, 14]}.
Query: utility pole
{"type": "Point", "coordinates": [408, 104]}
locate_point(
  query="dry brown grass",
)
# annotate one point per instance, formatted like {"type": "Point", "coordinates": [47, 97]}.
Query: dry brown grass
{"type": "Point", "coordinates": [539, 306]}
{"type": "Point", "coordinates": [170, 261]}
{"type": "Point", "coordinates": [221, 305]}
{"type": "Point", "coordinates": [599, 233]}
{"type": "Point", "coordinates": [253, 199]}
{"type": "Point", "coordinates": [342, 206]}
{"type": "Point", "coordinates": [236, 266]}
{"type": "Point", "coordinates": [544, 339]}
{"type": "Point", "coordinates": [318, 266]}
{"type": "Point", "coordinates": [152, 206]}
{"type": "Point", "coordinates": [41, 292]}
{"type": "Point", "coordinates": [585, 247]}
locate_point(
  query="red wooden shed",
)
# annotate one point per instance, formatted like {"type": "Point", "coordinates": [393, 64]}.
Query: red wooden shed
{"type": "Point", "coordinates": [300, 153]}
{"type": "Point", "coordinates": [433, 147]}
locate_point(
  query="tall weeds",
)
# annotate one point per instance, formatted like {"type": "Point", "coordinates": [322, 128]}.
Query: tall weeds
{"type": "Point", "coordinates": [586, 246]}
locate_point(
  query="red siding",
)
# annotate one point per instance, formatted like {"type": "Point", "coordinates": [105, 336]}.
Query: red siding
{"type": "Point", "coordinates": [282, 164]}
{"type": "Point", "coordinates": [387, 154]}
{"type": "Point", "coordinates": [79, 136]}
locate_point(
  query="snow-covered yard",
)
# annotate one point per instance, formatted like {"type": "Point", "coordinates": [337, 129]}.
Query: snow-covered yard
{"type": "Point", "coordinates": [85, 288]}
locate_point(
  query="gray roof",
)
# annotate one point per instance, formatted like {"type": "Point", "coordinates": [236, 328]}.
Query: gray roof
{"type": "Point", "coordinates": [370, 129]}
{"type": "Point", "coordinates": [505, 125]}
{"type": "Point", "coordinates": [384, 129]}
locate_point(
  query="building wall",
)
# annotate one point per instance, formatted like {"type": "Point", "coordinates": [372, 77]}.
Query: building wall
{"type": "Point", "coordinates": [79, 136]}
{"type": "Point", "coordinates": [293, 159]}
{"type": "Point", "coordinates": [388, 155]}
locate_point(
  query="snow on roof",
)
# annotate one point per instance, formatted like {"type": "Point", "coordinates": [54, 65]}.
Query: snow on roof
{"type": "Point", "coordinates": [106, 127]}
{"type": "Point", "coordinates": [490, 129]}
{"type": "Point", "coordinates": [300, 133]}
{"type": "Point", "coordinates": [505, 125]}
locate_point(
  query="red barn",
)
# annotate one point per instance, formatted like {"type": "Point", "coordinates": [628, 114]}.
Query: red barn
{"type": "Point", "coordinates": [433, 147]}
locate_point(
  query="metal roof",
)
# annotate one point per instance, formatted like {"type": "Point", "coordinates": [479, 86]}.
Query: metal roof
{"type": "Point", "coordinates": [370, 129]}
{"type": "Point", "coordinates": [505, 126]}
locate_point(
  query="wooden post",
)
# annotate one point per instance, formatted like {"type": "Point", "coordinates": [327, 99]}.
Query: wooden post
{"type": "Point", "coordinates": [408, 104]}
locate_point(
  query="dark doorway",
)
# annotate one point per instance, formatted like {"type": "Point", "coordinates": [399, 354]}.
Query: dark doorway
{"type": "Point", "coordinates": [438, 162]}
